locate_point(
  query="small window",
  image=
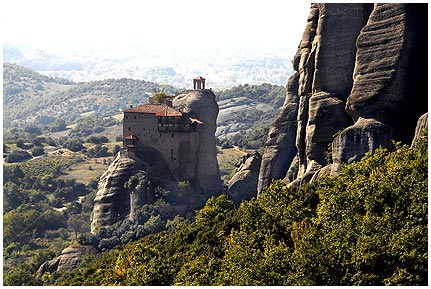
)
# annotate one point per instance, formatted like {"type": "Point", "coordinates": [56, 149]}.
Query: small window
{"type": "Point", "coordinates": [134, 117]}
{"type": "Point", "coordinates": [129, 128]}
{"type": "Point", "coordinates": [172, 135]}
{"type": "Point", "coordinates": [143, 128]}
{"type": "Point", "coordinates": [127, 117]}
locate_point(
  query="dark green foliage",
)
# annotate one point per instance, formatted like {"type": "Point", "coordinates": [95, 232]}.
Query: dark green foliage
{"type": "Point", "coordinates": [97, 139]}
{"type": "Point", "coordinates": [37, 151]}
{"type": "Point", "coordinates": [98, 151]}
{"type": "Point", "coordinates": [33, 232]}
{"type": "Point", "coordinates": [74, 144]}
{"type": "Point", "coordinates": [18, 156]}
{"type": "Point", "coordinates": [368, 226]}
{"type": "Point", "coordinates": [90, 125]}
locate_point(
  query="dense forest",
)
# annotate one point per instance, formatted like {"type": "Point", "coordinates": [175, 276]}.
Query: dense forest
{"type": "Point", "coordinates": [367, 226]}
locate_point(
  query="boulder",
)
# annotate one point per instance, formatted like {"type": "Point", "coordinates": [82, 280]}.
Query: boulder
{"type": "Point", "coordinates": [364, 136]}
{"type": "Point", "coordinates": [326, 116]}
{"type": "Point", "coordinates": [243, 184]}
{"type": "Point", "coordinates": [69, 259]}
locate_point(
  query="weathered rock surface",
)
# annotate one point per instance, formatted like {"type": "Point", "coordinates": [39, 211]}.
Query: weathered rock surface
{"type": "Point", "coordinates": [112, 201]}
{"type": "Point", "coordinates": [243, 184]}
{"type": "Point", "coordinates": [326, 116]}
{"type": "Point", "coordinates": [390, 77]}
{"type": "Point", "coordinates": [202, 105]}
{"type": "Point", "coordinates": [364, 136]}
{"type": "Point", "coordinates": [280, 147]}
{"type": "Point", "coordinates": [69, 259]}
{"type": "Point", "coordinates": [421, 127]}
{"type": "Point", "coordinates": [359, 76]}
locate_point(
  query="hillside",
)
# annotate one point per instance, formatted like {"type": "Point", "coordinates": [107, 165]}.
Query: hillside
{"type": "Point", "coordinates": [30, 97]}
{"type": "Point", "coordinates": [337, 232]}
{"type": "Point", "coordinates": [245, 108]}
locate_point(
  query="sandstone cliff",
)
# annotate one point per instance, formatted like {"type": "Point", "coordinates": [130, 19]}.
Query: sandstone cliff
{"type": "Point", "coordinates": [360, 82]}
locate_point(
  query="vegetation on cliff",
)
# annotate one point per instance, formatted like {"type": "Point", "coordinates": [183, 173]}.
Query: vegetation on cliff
{"type": "Point", "coordinates": [368, 226]}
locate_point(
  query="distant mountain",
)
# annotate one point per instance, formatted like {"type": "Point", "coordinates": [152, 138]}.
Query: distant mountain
{"type": "Point", "coordinates": [176, 65]}
{"type": "Point", "coordinates": [39, 60]}
{"type": "Point", "coordinates": [28, 94]}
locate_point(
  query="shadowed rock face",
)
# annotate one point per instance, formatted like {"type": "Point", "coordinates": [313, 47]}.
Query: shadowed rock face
{"type": "Point", "coordinates": [358, 78]}
{"type": "Point", "coordinates": [202, 105]}
{"type": "Point", "coordinates": [390, 77]}
{"type": "Point", "coordinates": [243, 184]}
{"type": "Point", "coordinates": [280, 146]}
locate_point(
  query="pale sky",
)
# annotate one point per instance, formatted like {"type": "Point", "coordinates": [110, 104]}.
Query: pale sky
{"type": "Point", "coordinates": [100, 23]}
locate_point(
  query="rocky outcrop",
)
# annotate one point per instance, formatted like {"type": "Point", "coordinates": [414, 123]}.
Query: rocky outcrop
{"type": "Point", "coordinates": [358, 85]}
{"type": "Point", "coordinates": [112, 201]}
{"type": "Point", "coordinates": [280, 146]}
{"type": "Point", "coordinates": [243, 184]}
{"type": "Point", "coordinates": [69, 259]}
{"type": "Point", "coordinates": [131, 180]}
{"type": "Point", "coordinates": [364, 136]}
{"type": "Point", "coordinates": [390, 77]}
{"type": "Point", "coordinates": [421, 128]}
{"type": "Point", "coordinates": [202, 105]}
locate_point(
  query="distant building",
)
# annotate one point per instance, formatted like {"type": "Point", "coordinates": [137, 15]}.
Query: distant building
{"type": "Point", "coordinates": [172, 133]}
{"type": "Point", "coordinates": [199, 82]}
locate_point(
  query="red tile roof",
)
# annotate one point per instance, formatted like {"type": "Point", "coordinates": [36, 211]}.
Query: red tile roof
{"type": "Point", "coordinates": [157, 109]}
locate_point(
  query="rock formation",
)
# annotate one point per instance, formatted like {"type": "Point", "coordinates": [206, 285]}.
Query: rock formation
{"type": "Point", "coordinates": [280, 146]}
{"type": "Point", "coordinates": [112, 201]}
{"type": "Point", "coordinates": [131, 180]}
{"type": "Point", "coordinates": [358, 85]}
{"type": "Point", "coordinates": [242, 186]}
{"type": "Point", "coordinates": [202, 105]}
{"type": "Point", "coordinates": [69, 259]}
{"type": "Point", "coordinates": [421, 128]}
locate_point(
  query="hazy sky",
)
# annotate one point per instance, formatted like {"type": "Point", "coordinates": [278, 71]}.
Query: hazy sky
{"type": "Point", "coordinates": [109, 23]}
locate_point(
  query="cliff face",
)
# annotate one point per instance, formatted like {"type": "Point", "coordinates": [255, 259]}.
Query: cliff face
{"type": "Point", "coordinates": [131, 180]}
{"type": "Point", "coordinates": [358, 84]}
{"type": "Point", "coordinates": [202, 105]}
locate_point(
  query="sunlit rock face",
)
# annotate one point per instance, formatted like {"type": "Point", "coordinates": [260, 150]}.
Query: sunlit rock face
{"type": "Point", "coordinates": [360, 82]}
